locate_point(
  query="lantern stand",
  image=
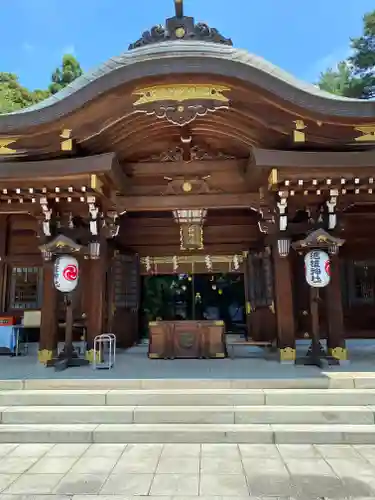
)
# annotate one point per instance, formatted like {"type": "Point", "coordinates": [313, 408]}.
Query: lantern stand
{"type": "Point", "coordinates": [66, 276]}
{"type": "Point", "coordinates": [318, 240]}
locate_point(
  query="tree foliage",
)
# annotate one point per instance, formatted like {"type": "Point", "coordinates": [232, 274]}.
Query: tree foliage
{"type": "Point", "coordinates": [69, 71]}
{"type": "Point", "coordinates": [355, 77]}
{"type": "Point", "coordinates": [336, 81]}
{"type": "Point", "coordinates": [13, 96]}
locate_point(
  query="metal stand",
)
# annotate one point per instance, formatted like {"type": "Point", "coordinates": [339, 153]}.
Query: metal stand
{"type": "Point", "coordinates": [316, 355]}
{"type": "Point", "coordinates": [68, 357]}
{"type": "Point", "coordinates": [104, 351]}
{"type": "Point", "coordinates": [18, 329]}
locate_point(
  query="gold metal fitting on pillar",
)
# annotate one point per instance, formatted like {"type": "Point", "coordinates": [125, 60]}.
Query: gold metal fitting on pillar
{"type": "Point", "coordinates": [339, 353]}
{"type": "Point", "coordinates": [287, 355]}
{"type": "Point", "coordinates": [45, 355]}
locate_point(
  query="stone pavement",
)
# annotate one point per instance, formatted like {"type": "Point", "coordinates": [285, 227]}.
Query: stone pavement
{"type": "Point", "coordinates": [183, 471]}
{"type": "Point", "coordinates": [134, 364]}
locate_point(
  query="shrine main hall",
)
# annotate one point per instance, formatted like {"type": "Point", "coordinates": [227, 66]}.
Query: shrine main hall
{"type": "Point", "coordinates": [189, 176]}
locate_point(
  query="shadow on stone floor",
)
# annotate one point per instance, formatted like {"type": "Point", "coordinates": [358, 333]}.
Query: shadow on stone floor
{"type": "Point", "coordinates": [309, 487]}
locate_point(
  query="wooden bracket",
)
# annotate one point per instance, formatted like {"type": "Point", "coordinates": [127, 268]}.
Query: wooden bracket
{"type": "Point", "coordinates": [94, 212]}
{"type": "Point", "coordinates": [47, 212]}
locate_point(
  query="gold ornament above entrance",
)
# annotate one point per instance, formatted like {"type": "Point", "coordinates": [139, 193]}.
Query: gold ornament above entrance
{"type": "Point", "coordinates": [191, 264]}
{"type": "Point", "coordinates": [181, 92]}
{"type": "Point", "coordinates": [180, 104]}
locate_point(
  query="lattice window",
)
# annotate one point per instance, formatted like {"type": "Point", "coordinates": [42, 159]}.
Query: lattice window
{"type": "Point", "coordinates": [362, 282]}
{"type": "Point", "coordinates": [25, 288]}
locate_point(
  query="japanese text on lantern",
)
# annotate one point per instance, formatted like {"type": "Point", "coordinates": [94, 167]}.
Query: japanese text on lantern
{"type": "Point", "coordinates": [317, 268]}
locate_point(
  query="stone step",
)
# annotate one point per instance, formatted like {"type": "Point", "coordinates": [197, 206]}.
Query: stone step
{"type": "Point", "coordinates": [354, 415]}
{"type": "Point", "coordinates": [332, 380]}
{"type": "Point", "coordinates": [185, 433]}
{"type": "Point", "coordinates": [189, 397]}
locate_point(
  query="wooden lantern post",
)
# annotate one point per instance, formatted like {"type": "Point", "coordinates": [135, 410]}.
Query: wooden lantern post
{"type": "Point", "coordinates": [317, 273]}
{"type": "Point", "coordinates": [66, 276]}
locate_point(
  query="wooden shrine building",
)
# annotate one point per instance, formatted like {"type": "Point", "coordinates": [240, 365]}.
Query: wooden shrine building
{"type": "Point", "coordinates": [185, 152]}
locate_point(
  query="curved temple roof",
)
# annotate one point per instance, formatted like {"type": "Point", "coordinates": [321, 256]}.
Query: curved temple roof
{"type": "Point", "coordinates": [190, 55]}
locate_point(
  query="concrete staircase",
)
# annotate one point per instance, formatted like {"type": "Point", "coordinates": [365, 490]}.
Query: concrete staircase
{"type": "Point", "coordinates": [338, 408]}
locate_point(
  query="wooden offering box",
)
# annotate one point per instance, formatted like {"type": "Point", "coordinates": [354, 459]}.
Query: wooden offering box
{"type": "Point", "coordinates": [186, 339]}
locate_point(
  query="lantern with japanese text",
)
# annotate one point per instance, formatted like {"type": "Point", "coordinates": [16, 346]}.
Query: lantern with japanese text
{"type": "Point", "coordinates": [66, 273]}
{"type": "Point", "coordinates": [317, 246]}
{"type": "Point", "coordinates": [317, 268]}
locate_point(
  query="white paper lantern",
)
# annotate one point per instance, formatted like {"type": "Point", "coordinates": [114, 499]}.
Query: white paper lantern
{"type": "Point", "coordinates": [317, 268]}
{"type": "Point", "coordinates": [66, 273]}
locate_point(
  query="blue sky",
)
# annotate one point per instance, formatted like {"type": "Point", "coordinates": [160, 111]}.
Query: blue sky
{"type": "Point", "coordinates": [301, 36]}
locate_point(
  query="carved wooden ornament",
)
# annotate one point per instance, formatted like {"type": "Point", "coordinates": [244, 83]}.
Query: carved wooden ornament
{"type": "Point", "coordinates": [180, 104]}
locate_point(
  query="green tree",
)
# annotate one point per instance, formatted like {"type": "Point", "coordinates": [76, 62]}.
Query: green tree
{"type": "Point", "coordinates": [67, 73]}
{"type": "Point", "coordinates": [356, 76]}
{"type": "Point", "coordinates": [336, 81]}
{"type": "Point", "coordinates": [14, 96]}
{"type": "Point", "coordinates": [363, 59]}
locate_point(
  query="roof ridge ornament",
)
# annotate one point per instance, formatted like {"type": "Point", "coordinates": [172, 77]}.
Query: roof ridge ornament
{"type": "Point", "coordinates": [180, 27]}
{"type": "Point", "coordinates": [179, 8]}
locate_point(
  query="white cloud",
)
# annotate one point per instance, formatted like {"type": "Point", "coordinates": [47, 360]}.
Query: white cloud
{"type": "Point", "coordinates": [68, 49]}
{"type": "Point", "coordinates": [330, 60]}
{"type": "Point", "coordinates": [28, 47]}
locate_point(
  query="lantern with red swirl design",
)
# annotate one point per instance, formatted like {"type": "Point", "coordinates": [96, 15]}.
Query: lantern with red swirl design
{"type": "Point", "coordinates": [66, 273]}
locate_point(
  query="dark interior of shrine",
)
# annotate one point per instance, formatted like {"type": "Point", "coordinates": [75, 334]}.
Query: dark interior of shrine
{"type": "Point", "coordinates": [194, 297]}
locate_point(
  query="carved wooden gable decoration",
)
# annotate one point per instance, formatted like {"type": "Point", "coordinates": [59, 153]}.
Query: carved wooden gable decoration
{"type": "Point", "coordinates": [180, 104]}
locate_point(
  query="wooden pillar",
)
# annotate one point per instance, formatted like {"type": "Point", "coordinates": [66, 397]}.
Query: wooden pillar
{"type": "Point", "coordinates": [94, 299]}
{"type": "Point", "coordinates": [3, 253]}
{"type": "Point", "coordinates": [335, 316]}
{"type": "Point", "coordinates": [284, 306]}
{"type": "Point", "coordinates": [49, 321]}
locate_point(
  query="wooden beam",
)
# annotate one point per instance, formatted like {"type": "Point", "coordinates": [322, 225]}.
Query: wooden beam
{"type": "Point", "coordinates": [144, 222]}
{"type": "Point", "coordinates": [213, 240]}
{"type": "Point", "coordinates": [344, 200]}
{"type": "Point", "coordinates": [292, 175]}
{"type": "Point", "coordinates": [166, 250]}
{"type": "Point", "coordinates": [313, 159]}
{"type": "Point", "coordinates": [74, 207]}
{"type": "Point", "coordinates": [223, 231]}
{"type": "Point", "coordinates": [192, 168]}
{"type": "Point", "coordinates": [171, 202]}
{"type": "Point", "coordinates": [38, 170]}
{"type": "Point", "coordinates": [120, 178]}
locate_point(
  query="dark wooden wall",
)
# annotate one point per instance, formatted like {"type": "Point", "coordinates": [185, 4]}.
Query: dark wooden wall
{"type": "Point", "coordinates": [19, 247]}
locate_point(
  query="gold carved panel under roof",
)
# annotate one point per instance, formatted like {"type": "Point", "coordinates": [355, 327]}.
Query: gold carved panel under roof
{"type": "Point", "coordinates": [180, 104]}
